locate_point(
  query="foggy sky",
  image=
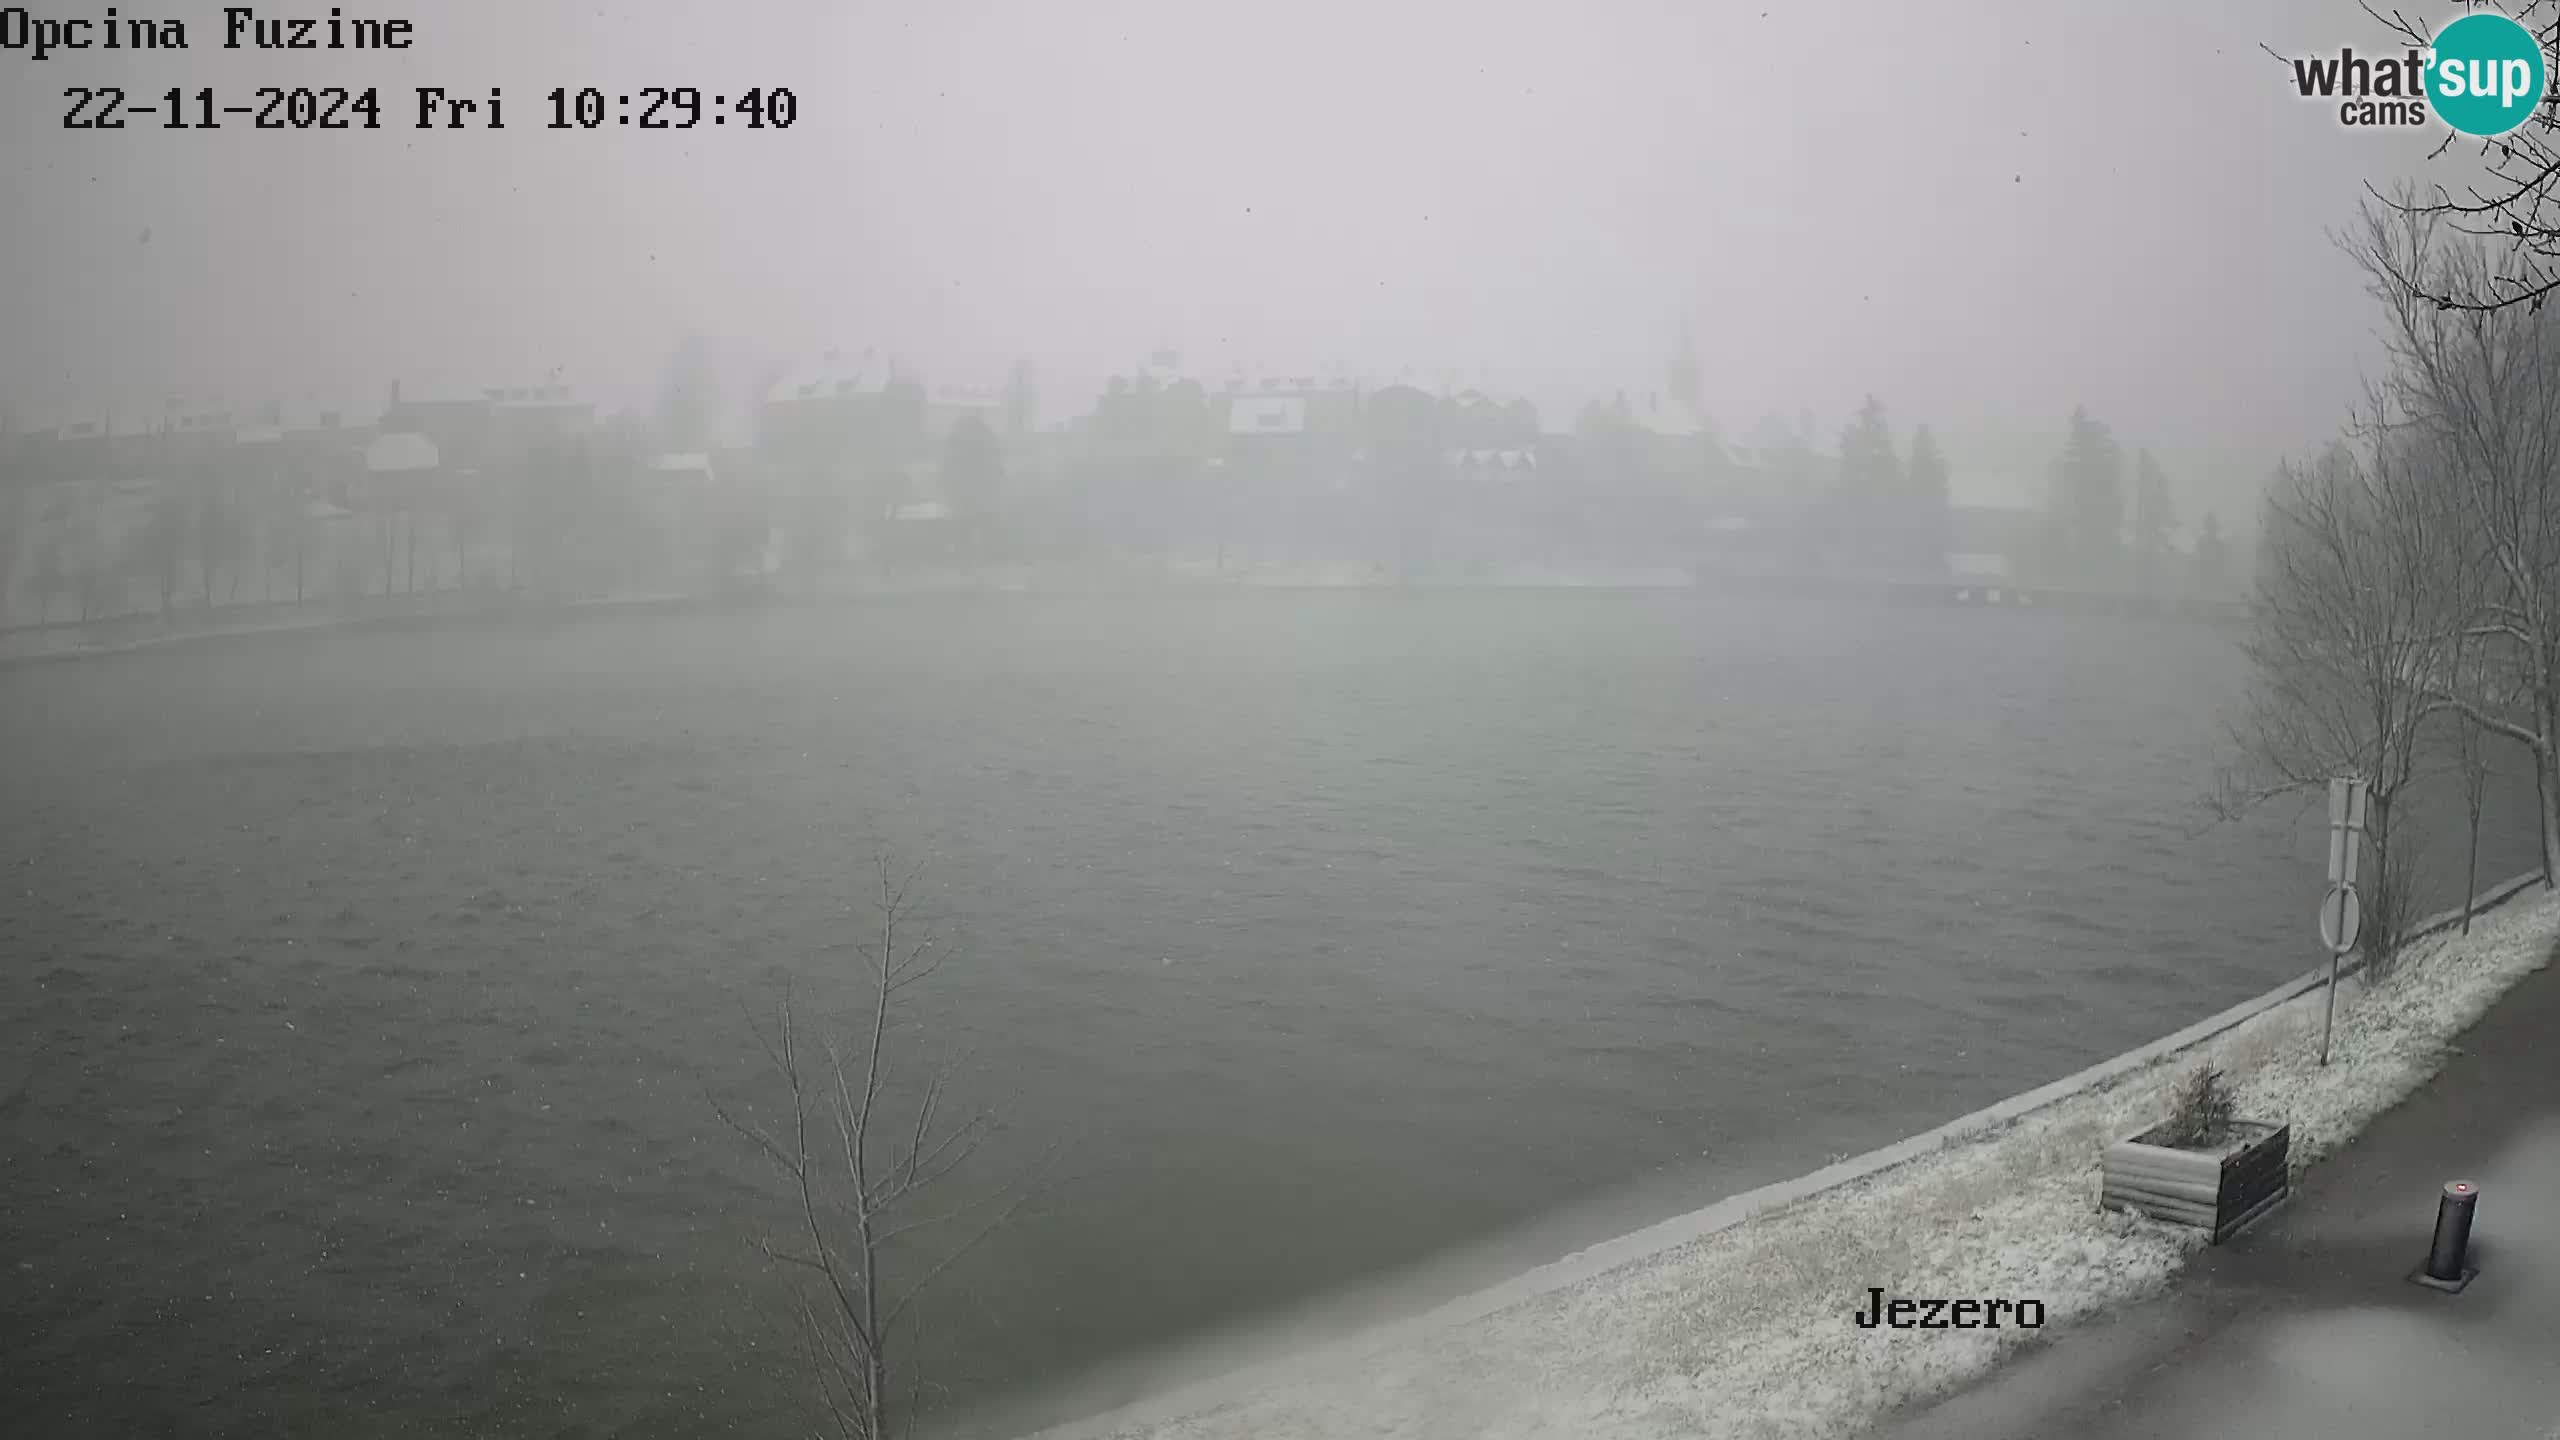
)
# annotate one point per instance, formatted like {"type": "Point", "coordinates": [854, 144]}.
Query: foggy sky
{"type": "Point", "coordinates": [1985, 213]}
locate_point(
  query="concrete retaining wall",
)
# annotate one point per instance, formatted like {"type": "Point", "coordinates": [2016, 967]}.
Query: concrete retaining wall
{"type": "Point", "coordinates": [1698, 1224]}
{"type": "Point", "coordinates": [1682, 1229]}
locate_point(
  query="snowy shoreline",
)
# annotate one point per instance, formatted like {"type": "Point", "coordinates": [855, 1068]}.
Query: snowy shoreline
{"type": "Point", "coordinates": [1735, 1320]}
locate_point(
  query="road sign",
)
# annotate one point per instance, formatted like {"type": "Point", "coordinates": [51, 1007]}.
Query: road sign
{"type": "Point", "coordinates": [2341, 918]}
{"type": "Point", "coordinates": [2346, 829]}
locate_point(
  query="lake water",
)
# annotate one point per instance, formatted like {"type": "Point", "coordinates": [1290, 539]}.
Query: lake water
{"type": "Point", "coordinates": [363, 990]}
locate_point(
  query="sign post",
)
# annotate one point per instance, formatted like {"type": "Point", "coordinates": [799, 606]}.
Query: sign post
{"type": "Point", "coordinates": [2341, 915]}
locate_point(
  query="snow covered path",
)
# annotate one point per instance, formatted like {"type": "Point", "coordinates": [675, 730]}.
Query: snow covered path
{"type": "Point", "coordinates": [1746, 1331]}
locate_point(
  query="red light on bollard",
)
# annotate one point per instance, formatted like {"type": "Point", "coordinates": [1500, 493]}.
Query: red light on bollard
{"type": "Point", "coordinates": [2446, 1267]}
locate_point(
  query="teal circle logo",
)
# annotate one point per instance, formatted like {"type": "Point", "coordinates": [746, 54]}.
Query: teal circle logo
{"type": "Point", "coordinates": [2485, 75]}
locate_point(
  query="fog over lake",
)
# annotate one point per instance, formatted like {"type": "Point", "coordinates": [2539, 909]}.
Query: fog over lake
{"type": "Point", "coordinates": [904, 721]}
{"type": "Point", "coordinates": [372, 980]}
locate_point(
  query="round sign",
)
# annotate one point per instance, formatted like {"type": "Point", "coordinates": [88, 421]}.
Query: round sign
{"type": "Point", "coordinates": [2341, 918]}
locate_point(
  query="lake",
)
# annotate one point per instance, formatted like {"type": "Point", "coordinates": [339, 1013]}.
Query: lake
{"type": "Point", "coordinates": [366, 991]}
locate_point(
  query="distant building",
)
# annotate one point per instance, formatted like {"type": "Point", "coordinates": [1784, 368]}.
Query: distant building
{"type": "Point", "coordinates": [1658, 415]}
{"type": "Point", "coordinates": [1989, 542]}
{"type": "Point", "coordinates": [950, 403]}
{"type": "Point", "coordinates": [1492, 466]}
{"type": "Point", "coordinates": [1291, 437]}
{"type": "Point", "coordinates": [552, 410]}
{"type": "Point", "coordinates": [455, 421]}
{"type": "Point", "coordinates": [832, 378]}
{"type": "Point", "coordinates": [400, 453]}
{"type": "Point", "coordinates": [1475, 420]}
{"type": "Point", "coordinates": [1257, 415]}
{"type": "Point", "coordinates": [841, 425]}
{"type": "Point", "coordinates": [685, 469]}
{"type": "Point", "coordinates": [1301, 432]}
{"type": "Point", "coordinates": [1325, 414]}
{"type": "Point", "coordinates": [1156, 419]}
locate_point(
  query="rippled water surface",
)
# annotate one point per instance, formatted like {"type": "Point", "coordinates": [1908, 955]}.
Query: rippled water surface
{"type": "Point", "coordinates": [363, 990]}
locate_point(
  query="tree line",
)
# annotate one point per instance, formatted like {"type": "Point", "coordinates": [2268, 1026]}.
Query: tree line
{"type": "Point", "coordinates": [1406, 483]}
{"type": "Point", "coordinates": [2407, 615]}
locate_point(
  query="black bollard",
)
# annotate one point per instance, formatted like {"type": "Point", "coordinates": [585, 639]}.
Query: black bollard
{"type": "Point", "coordinates": [2446, 1269]}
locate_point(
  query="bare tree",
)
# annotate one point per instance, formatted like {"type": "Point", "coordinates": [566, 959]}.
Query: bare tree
{"type": "Point", "coordinates": [869, 1190]}
{"type": "Point", "coordinates": [2471, 767]}
{"type": "Point", "coordinates": [2351, 642]}
{"type": "Point", "coordinates": [2508, 200]}
{"type": "Point", "coordinates": [2482, 387]}
{"type": "Point", "coordinates": [207, 482]}
{"type": "Point", "coordinates": [156, 550]}
{"type": "Point", "coordinates": [300, 520]}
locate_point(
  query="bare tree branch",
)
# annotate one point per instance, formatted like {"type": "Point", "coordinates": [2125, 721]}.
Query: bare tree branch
{"type": "Point", "coordinates": [856, 1205]}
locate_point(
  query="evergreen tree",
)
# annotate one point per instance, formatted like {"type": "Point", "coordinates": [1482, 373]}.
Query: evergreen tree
{"type": "Point", "coordinates": [1869, 470]}
{"type": "Point", "coordinates": [1520, 423]}
{"type": "Point", "coordinates": [1608, 447]}
{"type": "Point", "coordinates": [1021, 401]}
{"type": "Point", "coordinates": [2212, 577]}
{"type": "Point", "coordinates": [1869, 487]}
{"type": "Point", "coordinates": [1926, 498]}
{"type": "Point", "coordinates": [1793, 472]}
{"type": "Point", "coordinates": [972, 469]}
{"type": "Point", "coordinates": [972, 478]}
{"type": "Point", "coordinates": [1781, 447]}
{"type": "Point", "coordinates": [1406, 432]}
{"type": "Point", "coordinates": [893, 437]}
{"type": "Point", "coordinates": [2153, 517]}
{"type": "Point", "coordinates": [2089, 501]}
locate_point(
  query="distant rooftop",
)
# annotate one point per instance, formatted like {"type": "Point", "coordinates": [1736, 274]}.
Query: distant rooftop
{"type": "Point", "coordinates": [1290, 385]}
{"type": "Point", "coordinates": [323, 412]}
{"type": "Point", "coordinates": [831, 374]}
{"type": "Point", "coordinates": [394, 454]}
{"type": "Point", "coordinates": [1267, 415]}
{"type": "Point", "coordinates": [694, 465]}
{"type": "Point", "coordinates": [120, 421]}
{"type": "Point", "coordinates": [551, 393]}
{"type": "Point", "coordinates": [434, 392]}
{"type": "Point", "coordinates": [968, 396]}
{"type": "Point", "coordinates": [1514, 458]}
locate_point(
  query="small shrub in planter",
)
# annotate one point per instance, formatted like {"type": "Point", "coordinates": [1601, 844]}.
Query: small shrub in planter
{"type": "Point", "coordinates": [2203, 1166]}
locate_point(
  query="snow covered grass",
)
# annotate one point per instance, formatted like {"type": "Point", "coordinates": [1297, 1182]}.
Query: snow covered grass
{"type": "Point", "coordinates": [1746, 1332]}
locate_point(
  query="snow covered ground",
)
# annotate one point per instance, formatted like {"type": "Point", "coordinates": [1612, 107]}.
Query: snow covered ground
{"type": "Point", "coordinates": [1746, 1331]}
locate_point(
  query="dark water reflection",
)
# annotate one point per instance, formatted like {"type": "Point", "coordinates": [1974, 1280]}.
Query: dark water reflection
{"type": "Point", "coordinates": [363, 988]}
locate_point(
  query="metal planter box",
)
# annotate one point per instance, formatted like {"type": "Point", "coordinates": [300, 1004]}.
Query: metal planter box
{"type": "Point", "coordinates": [2217, 1190]}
